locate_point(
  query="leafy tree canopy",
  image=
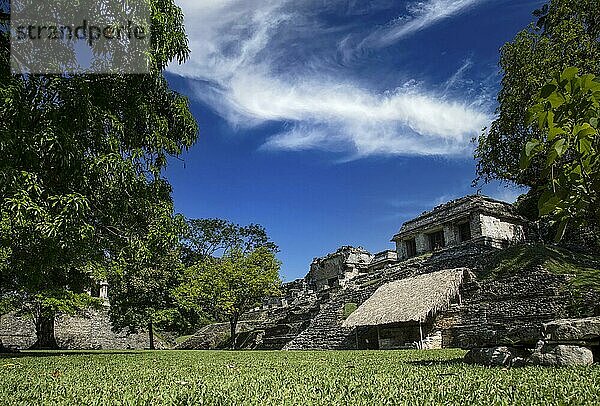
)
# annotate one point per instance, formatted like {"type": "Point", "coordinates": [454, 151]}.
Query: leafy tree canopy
{"type": "Point", "coordinates": [567, 33]}
{"type": "Point", "coordinates": [80, 174]}
{"type": "Point", "coordinates": [230, 269]}
{"type": "Point", "coordinates": [231, 285]}
{"type": "Point", "coordinates": [216, 237]}
{"type": "Point", "coordinates": [567, 115]}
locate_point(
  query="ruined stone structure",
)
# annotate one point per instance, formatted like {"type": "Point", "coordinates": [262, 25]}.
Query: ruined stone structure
{"type": "Point", "coordinates": [565, 342]}
{"type": "Point", "coordinates": [91, 331]}
{"type": "Point", "coordinates": [336, 269]}
{"type": "Point", "coordinates": [474, 311]}
{"type": "Point", "coordinates": [382, 260]}
{"type": "Point", "coordinates": [471, 219]}
{"type": "Point", "coordinates": [432, 291]}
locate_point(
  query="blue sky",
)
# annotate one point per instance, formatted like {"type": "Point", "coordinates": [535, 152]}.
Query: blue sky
{"type": "Point", "coordinates": [331, 122]}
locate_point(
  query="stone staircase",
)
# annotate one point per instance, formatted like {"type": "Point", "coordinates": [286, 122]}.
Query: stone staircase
{"type": "Point", "coordinates": [325, 331]}
{"type": "Point", "coordinates": [315, 322]}
{"type": "Point", "coordinates": [215, 336]}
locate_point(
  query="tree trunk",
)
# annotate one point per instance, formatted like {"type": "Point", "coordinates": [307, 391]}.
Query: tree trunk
{"type": "Point", "coordinates": [44, 329]}
{"type": "Point", "coordinates": [233, 325]}
{"type": "Point", "coordinates": [151, 334]}
{"type": "Point", "coordinates": [4, 350]}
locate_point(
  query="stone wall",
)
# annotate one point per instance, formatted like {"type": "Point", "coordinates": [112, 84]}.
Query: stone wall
{"type": "Point", "coordinates": [92, 332]}
{"type": "Point", "coordinates": [383, 260]}
{"type": "Point", "coordinates": [421, 243]}
{"type": "Point", "coordinates": [490, 222]}
{"type": "Point", "coordinates": [505, 310]}
{"type": "Point", "coordinates": [339, 267]}
{"type": "Point", "coordinates": [501, 230]}
{"type": "Point", "coordinates": [17, 332]}
{"type": "Point", "coordinates": [565, 342]}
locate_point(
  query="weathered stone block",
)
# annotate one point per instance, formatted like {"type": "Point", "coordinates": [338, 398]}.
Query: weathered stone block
{"type": "Point", "coordinates": [560, 355]}
{"type": "Point", "coordinates": [587, 329]}
{"type": "Point", "coordinates": [496, 356]}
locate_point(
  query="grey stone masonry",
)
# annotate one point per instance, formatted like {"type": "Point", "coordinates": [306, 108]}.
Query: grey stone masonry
{"type": "Point", "coordinates": [325, 331]}
{"type": "Point", "coordinates": [90, 332]}
{"type": "Point", "coordinates": [566, 342]}
{"type": "Point", "coordinates": [585, 330]}
{"type": "Point", "coordinates": [469, 219]}
{"type": "Point", "coordinates": [335, 269]}
{"type": "Point", "coordinates": [560, 355]}
{"type": "Point", "coordinates": [506, 310]}
{"type": "Point", "coordinates": [383, 259]}
{"type": "Point", "coordinates": [324, 318]}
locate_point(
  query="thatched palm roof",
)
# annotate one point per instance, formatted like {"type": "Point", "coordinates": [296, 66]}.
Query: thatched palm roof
{"type": "Point", "coordinates": [411, 299]}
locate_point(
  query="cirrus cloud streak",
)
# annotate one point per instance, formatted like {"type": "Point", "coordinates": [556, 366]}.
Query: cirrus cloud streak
{"type": "Point", "coordinates": [247, 64]}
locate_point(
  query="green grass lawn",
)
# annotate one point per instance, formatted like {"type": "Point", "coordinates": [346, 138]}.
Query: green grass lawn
{"type": "Point", "coordinates": [284, 378]}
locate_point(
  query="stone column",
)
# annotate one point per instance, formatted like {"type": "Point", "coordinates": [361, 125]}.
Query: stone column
{"type": "Point", "coordinates": [450, 234]}
{"type": "Point", "coordinates": [104, 290]}
{"type": "Point", "coordinates": [401, 249]}
{"type": "Point", "coordinates": [476, 225]}
{"type": "Point", "coordinates": [422, 243]}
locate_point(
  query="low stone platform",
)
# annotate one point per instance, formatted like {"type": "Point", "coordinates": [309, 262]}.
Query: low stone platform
{"type": "Point", "coordinates": [93, 331]}
{"type": "Point", "coordinates": [565, 342]}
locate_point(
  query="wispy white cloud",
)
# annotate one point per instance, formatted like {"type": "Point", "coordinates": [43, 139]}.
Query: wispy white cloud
{"type": "Point", "coordinates": [397, 123]}
{"type": "Point", "coordinates": [420, 15]}
{"type": "Point", "coordinates": [251, 61]}
{"type": "Point", "coordinates": [457, 76]}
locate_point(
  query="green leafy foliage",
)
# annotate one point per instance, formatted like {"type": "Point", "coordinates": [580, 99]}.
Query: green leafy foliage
{"type": "Point", "coordinates": [229, 270]}
{"type": "Point", "coordinates": [81, 190]}
{"type": "Point", "coordinates": [229, 286]}
{"type": "Point", "coordinates": [144, 276]}
{"type": "Point", "coordinates": [207, 238]}
{"type": "Point", "coordinates": [367, 378]}
{"type": "Point", "coordinates": [566, 35]}
{"type": "Point", "coordinates": [349, 308]}
{"type": "Point", "coordinates": [566, 116]}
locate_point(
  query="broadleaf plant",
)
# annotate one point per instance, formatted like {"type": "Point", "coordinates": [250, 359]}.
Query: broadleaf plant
{"type": "Point", "coordinates": [567, 114]}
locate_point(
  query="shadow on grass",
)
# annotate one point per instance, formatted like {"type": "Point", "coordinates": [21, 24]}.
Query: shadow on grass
{"type": "Point", "coordinates": [62, 353]}
{"type": "Point", "coordinates": [441, 362]}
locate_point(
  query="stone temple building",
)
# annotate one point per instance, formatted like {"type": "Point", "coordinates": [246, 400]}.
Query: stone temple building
{"type": "Point", "coordinates": [423, 294]}
{"type": "Point", "coordinates": [471, 219]}
{"type": "Point", "coordinates": [431, 291]}
{"type": "Point", "coordinates": [336, 269]}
